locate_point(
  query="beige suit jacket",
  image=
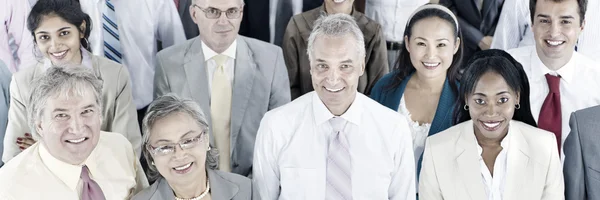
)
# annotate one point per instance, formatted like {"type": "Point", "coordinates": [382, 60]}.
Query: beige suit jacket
{"type": "Point", "coordinates": [451, 168]}
{"type": "Point", "coordinates": [119, 113]}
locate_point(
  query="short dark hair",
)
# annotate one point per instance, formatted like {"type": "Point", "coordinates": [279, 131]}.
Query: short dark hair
{"type": "Point", "coordinates": [582, 8]}
{"type": "Point", "coordinates": [502, 63]}
{"type": "Point", "coordinates": [404, 67]}
{"type": "Point", "coordinates": [69, 10]}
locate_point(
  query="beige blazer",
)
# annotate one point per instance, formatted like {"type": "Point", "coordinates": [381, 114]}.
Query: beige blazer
{"type": "Point", "coordinates": [451, 168]}
{"type": "Point", "coordinates": [120, 115]}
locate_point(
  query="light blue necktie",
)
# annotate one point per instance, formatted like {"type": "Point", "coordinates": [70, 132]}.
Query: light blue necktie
{"type": "Point", "coordinates": [339, 165]}
{"type": "Point", "coordinates": [112, 45]}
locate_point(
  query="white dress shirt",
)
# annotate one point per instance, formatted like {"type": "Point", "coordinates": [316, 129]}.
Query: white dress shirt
{"type": "Point", "coordinates": [212, 64]}
{"type": "Point", "coordinates": [579, 84]}
{"type": "Point", "coordinates": [13, 14]}
{"type": "Point", "coordinates": [290, 153]}
{"type": "Point", "coordinates": [494, 184]}
{"type": "Point", "coordinates": [36, 174]}
{"type": "Point", "coordinates": [514, 28]}
{"type": "Point", "coordinates": [141, 23]}
{"type": "Point", "coordinates": [392, 15]}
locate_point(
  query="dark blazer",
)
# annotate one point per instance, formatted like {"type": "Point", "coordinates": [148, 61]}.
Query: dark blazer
{"type": "Point", "coordinates": [474, 24]}
{"type": "Point", "coordinates": [295, 43]}
{"type": "Point", "coordinates": [582, 156]}
{"type": "Point", "coordinates": [223, 186]}
{"type": "Point", "coordinates": [255, 22]}
{"type": "Point", "coordinates": [391, 99]}
{"type": "Point", "coordinates": [189, 27]}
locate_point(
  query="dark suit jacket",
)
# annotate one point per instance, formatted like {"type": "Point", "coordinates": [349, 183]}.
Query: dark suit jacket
{"type": "Point", "coordinates": [582, 156]}
{"type": "Point", "coordinates": [473, 24]}
{"type": "Point", "coordinates": [223, 186]}
{"type": "Point", "coordinates": [295, 44]}
{"type": "Point", "coordinates": [255, 22]}
{"type": "Point", "coordinates": [391, 99]}
{"type": "Point", "coordinates": [189, 27]}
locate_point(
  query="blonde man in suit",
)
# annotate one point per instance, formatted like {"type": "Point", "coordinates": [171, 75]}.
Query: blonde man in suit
{"type": "Point", "coordinates": [496, 151]}
{"type": "Point", "coordinates": [60, 30]}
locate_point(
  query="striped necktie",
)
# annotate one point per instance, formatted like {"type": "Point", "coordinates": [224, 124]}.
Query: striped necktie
{"type": "Point", "coordinates": [112, 45]}
{"type": "Point", "coordinates": [339, 165]}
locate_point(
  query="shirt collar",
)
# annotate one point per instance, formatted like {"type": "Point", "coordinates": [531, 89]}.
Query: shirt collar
{"type": "Point", "coordinates": [86, 60]}
{"type": "Point", "coordinates": [209, 53]}
{"type": "Point", "coordinates": [69, 174]}
{"type": "Point", "coordinates": [539, 70]}
{"type": "Point", "coordinates": [322, 113]}
{"type": "Point", "coordinates": [504, 143]}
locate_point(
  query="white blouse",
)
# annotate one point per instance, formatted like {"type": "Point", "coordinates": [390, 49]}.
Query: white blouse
{"type": "Point", "coordinates": [419, 131]}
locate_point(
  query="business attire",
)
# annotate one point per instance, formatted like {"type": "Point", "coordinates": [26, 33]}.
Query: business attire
{"type": "Point", "coordinates": [528, 167]}
{"type": "Point", "coordinates": [14, 17]}
{"type": "Point", "coordinates": [296, 60]}
{"type": "Point", "coordinates": [394, 99]}
{"type": "Point", "coordinates": [393, 16]}
{"type": "Point", "coordinates": [296, 141]}
{"type": "Point", "coordinates": [36, 174]}
{"type": "Point", "coordinates": [280, 13]}
{"type": "Point", "coordinates": [257, 74]}
{"type": "Point", "coordinates": [581, 168]}
{"type": "Point", "coordinates": [189, 26]}
{"type": "Point", "coordinates": [118, 111]}
{"type": "Point", "coordinates": [5, 77]}
{"type": "Point", "coordinates": [514, 28]}
{"type": "Point", "coordinates": [576, 77]}
{"type": "Point", "coordinates": [223, 186]}
{"type": "Point", "coordinates": [140, 24]}
{"type": "Point", "coordinates": [476, 19]}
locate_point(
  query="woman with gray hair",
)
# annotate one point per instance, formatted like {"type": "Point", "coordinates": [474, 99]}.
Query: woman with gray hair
{"type": "Point", "coordinates": [177, 150]}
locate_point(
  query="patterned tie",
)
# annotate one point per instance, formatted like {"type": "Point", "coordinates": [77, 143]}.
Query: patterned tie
{"type": "Point", "coordinates": [91, 189]}
{"type": "Point", "coordinates": [550, 115]}
{"type": "Point", "coordinates": [112, 46]}
{"type": "Point", "coordinates": [220, 111]}
{"type": "Point", "coordinates": [339, 166]}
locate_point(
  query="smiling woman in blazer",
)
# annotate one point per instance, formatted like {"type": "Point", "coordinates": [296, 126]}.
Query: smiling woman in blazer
{"type": "Point", "coordinates": [422, 86]}
{"type": "Point", "coordinates": [495, 151]}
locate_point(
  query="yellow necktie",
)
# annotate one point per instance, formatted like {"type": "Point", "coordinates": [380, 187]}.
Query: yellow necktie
{"type": "Point", "coordinates": [220, 111]}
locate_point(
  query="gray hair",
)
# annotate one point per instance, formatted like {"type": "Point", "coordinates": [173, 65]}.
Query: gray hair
{"type": "Point", "coordinates": [336, 25]}
{"type": "Point", "coordinates": [165, 106]}
{"type": "Point", "coordinates": [68, 81]}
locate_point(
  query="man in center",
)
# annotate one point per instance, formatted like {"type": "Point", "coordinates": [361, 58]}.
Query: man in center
{"type": "Point", "coordinates": [235, 79]}
{"type": "Point", "coordinates": [334, 142]}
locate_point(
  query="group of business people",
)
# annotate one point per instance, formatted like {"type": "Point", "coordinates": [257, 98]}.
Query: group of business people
{"type": "Point", "coordinates": [222, 115]}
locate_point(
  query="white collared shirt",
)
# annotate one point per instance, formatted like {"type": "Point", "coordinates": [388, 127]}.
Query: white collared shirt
{"type": "Point", "coordinates": [579, 84]}
{"type": "Point", "coordinates": [494, 184]}
{"type": "Point", "coordinates": [141, 23]}
{"type": "Point", "coordinates": [392, 15]}
{"type": "Point", "coordinates": [212, 64]}
{"type": "Point", "coordinates": [36, 174]}
{"type": "Point", "coordinates": [514, 28]}
{"type": "Point", "coordinates": [290, 153]}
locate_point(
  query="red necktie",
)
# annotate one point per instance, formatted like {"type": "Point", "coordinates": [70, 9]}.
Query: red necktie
{"type": "Point", "coordinates": [177, 4]}
{"type": "Point", "coordinates": [550, 115]}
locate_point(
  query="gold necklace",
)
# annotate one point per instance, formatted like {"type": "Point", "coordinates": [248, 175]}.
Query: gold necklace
{"type": "Point", "coordinates": [201, 195]}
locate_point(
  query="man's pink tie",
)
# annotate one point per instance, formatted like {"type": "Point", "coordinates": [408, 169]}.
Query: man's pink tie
{"type": "Point", "coordinates": [91, 189]}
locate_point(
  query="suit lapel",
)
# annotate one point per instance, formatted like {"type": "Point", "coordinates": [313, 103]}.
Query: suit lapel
{"type": "Point", "coordinates": [468, 163]}
{"type": "Point", "coordinates": [225, 188]}
{"type": "Point", "coordinates": [183, 4]}
{"type": "Point", "coordinates": [195, 73]}
{"type": "Point", "coordinates": [245, 68]}
{"type": "Point", "coordinates": [518, 165]}
{"type": "Point", "coordinates": [486, 7]}
{"type": "Point", "coordinates": [443, 113]}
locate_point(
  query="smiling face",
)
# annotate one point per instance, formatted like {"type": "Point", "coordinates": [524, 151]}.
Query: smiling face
{"type": "Point", "coordinates": [432, 50]}
{"type": "Point", "coordinates": [556, 28]}
{"type": "Point", "coordinates": [59, 40]}
{"type": "Point", "coordinates": [218, 34]}
{"type": "Point", "coordinates": [338, 6]}
{"type": "Point", "coordinates": [335, 70]}
{"type": "Point", "coordinates": [492, 106]}
{"type": "Point", "coordinates": [184, 165]}
{"type": "Point", "coordinates": [70, 125]}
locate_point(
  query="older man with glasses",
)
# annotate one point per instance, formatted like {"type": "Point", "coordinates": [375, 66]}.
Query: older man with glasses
{"type": "Point", "coordinates": [235, 79]}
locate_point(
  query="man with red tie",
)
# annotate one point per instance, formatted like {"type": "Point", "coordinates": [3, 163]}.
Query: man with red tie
{"type": "Point", "coordinates": [561, 79]}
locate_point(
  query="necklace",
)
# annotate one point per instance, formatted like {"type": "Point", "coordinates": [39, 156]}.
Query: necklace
{"type": "Point", "coordinates": [201, 195]}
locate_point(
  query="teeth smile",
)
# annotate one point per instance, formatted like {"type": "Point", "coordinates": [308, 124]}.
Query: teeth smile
{"type": "Point", "coordinates": [431, 64]}
{"type": "Point", "coordinates": [554, 43]}
{"type": "Point", "coordinates": [59, 54]}
{"type": "Point", "coordinates": [183, 167]}
{"type": "Point", "coordinates": [491, 125]}
{"type": "Point", "coordinates": [334, 90]}
{"type": "Point", "coordinates": [338, 1]}
{"type": "Point", "coordinates": [77, 141]}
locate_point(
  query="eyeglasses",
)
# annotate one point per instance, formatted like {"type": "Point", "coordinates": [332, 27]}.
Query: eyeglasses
{"type": "Point", "coordinates": [168, 149]}
{"type": "Point", "coordinates": [213, 13]}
